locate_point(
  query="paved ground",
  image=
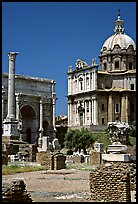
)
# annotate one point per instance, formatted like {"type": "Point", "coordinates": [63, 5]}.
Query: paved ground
{"type": "Point", "coordinates": [57, 186]}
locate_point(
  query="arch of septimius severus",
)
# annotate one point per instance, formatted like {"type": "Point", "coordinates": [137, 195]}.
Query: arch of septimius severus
{"type": "Point", "coordinates": [28, 106]}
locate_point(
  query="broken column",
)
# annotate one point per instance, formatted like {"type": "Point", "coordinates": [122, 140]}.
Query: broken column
{"type": "Point", "coordinates": [10, 124]}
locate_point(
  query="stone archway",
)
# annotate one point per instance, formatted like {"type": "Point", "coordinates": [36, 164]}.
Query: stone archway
{"type": "Point", "coordinates": [29, 124]}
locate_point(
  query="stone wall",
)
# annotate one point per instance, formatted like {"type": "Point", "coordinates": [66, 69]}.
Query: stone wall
{"type": "Point", "coordinates": [15, 192]}
{"type": "Point", "coordinates": [75, 158]}
{"type": "Point", "coordinates": [95, 158]}
{"type": "Point", "coordinates": [59, 161]}
{"type": "Point", "coordinates": [113, 182]}
{"type": "Point", "coordinates": [52, 161]}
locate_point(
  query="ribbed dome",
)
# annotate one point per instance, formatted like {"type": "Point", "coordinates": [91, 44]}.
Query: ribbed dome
{"type": "Point", "coordinates": [121, 39]}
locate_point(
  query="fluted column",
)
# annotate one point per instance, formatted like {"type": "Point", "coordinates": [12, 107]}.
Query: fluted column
{"type": "Point", "coordinates": [123, 109]}
{"type": "Point", "coordinates": [11, 85]}
{"type": "Point", "coordinates": [110, 109]}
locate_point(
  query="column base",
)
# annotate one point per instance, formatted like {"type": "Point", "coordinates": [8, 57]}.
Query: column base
{"type": "Point", "coordinates": [10, 129]}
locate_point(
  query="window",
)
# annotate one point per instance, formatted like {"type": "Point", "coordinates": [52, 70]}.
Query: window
{"type": "Point", "coordinates": [117, 108]}
{"type": "Point", "coordinates": [117, 118]}
{"type": "Point", "coordinates": [102, 107]}
{"type": "Point", "coordinates": [81, 87]}
{"type": "Point", "coordinates": [116, 64]}
{"type": "Point", "coordinates": [105, 66]}
{"type": "Point", "coordinates": [87, 105]}
{"type": "Point", "coordinates": [130, 65]}
{"type": "Point", "coordinates": [132, 86]}
{"type": "Point", "coordinates": [102, 121]}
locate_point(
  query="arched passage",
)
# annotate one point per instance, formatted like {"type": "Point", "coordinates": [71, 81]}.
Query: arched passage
{"type": "Point", "coordinates": [29, 124]}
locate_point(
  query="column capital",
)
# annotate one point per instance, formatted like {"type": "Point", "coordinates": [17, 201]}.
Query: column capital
{"type": "Point", "coordinates": [12, 55]}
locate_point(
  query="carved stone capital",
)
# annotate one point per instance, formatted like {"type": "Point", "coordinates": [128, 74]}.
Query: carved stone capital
{"type": "Point", "coordinates": [12, 56]}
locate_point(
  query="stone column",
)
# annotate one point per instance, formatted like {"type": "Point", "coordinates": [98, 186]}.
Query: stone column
{"type": "Point", "coordinates": [10, 124]}
{"type": "Point", "coordinates": [95, 111]}
{"type": "Point", "coordinates": [127, 109]}
{"type": "Point", "coordinates": [2, 104]}
{"type": "Point", "coordinates": [41, 124]}
{"type": "Point", "coordinates": [89, 81]}
{"type": "Point", "coordinates": [92, 111]}
{"type": "Point", "coordinates": [95, 79]}
{"type": "Point", "coordinates": [11, 85]}
{"type": "Point", "coordinates": [83, 113]}
{"type": "Point", "coordinates": [110, 109]}
{"type": "Point", "coordinates": [123, 109]}
{"type": "Point", "coordinates": [54, 103]}
{"type": "Point", "coordinates": [17, 106]}
{"type": "Point", "coordinates": [85, 105]}
{"type": "Point", "coordinates": [68, 114]}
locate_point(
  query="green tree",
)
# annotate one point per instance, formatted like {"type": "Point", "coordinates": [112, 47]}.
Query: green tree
{"type": "Point", "coordinates": [132, 132]}
{"type": "Point", "coordinates": [79, 139]}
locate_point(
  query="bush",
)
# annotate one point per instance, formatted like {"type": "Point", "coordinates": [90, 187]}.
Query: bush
{"type": "Point", "coordinates": [79, 139]}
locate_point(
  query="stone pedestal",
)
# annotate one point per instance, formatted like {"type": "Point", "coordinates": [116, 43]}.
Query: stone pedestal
{"type": "Point", "coordinates": [10, 129]}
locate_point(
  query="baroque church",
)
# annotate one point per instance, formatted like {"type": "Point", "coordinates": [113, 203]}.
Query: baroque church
{"type": "Point", "coordinates": [96, 95]}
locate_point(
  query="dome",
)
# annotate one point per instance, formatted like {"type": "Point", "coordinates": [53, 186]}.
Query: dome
{"type": "Point", "coordinates": [119, 37]}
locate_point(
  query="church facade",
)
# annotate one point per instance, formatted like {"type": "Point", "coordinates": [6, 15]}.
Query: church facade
{"type": "Point", "coordinates": [98, 96]}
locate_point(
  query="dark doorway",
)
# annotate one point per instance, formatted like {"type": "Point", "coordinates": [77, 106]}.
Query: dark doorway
{"type": "Point", "coordinates": [28, 135]}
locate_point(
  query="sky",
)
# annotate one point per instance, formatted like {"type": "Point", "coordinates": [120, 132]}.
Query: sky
{"type": "Point", "coordinates": [50, 36]}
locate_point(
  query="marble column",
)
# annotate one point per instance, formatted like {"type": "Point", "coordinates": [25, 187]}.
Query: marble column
{"type": "Point", "coordinates": [3, 92]}
{"type": "Point", "coordinates": [110, 109]}
{"type": "Point", "coordinates": [41, 124]}
{"type": "Point", "coordinates": [127, 109]}
{"type": "Point", "coordinates": [11, 85]}
{"type": "Point", "coordinates": [10, 124]}
{"type": "Point", "coordinates": [95, 111]}
{"type": "Point", "coordinates": [123, 109]}
{"type": "Point", "coordinates": [92, 111]}
{"type": "Point", "coordinates": [85, 106]}
{"type": "Point", "coordinates": [68, 114]}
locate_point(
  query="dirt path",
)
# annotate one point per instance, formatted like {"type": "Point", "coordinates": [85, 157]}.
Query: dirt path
{"type": "Point", "coordinates": [56, 186]}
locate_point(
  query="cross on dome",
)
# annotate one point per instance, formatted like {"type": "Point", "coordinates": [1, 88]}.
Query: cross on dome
{"type": "Point", "coordinates": [119, 24]}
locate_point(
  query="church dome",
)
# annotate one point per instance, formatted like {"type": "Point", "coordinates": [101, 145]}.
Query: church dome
{"type": "Point", "coordinates": [119, 37]}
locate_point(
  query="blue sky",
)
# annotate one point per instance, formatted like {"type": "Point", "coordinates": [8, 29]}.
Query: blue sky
{"type": "Point", "coordinates": [50, 36]}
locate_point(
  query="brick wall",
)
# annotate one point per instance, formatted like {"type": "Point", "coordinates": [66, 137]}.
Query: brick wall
{"type": "Point", "coordinates": [113, 182]}
{"type": "Point", "coordinates": [52, 161]}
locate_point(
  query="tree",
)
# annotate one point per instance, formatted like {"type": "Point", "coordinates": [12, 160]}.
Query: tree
{"type": "Point", "coordinates": [79, 139]}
